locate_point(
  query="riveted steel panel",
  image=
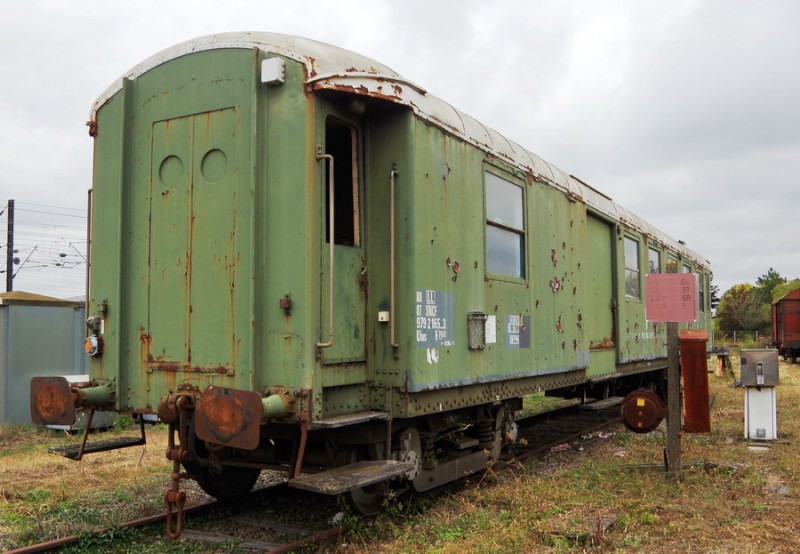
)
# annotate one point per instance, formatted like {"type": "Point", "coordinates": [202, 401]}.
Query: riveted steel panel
{"type": "Point", "coordinates": [172, 228]}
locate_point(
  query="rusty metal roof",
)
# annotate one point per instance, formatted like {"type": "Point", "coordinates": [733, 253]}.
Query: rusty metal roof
{"type": "Point", "coordinates": [331, 67]}
{"type": "Point", "coordinates": [19, 298]}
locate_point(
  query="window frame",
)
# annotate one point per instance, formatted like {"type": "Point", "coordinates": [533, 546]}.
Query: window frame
{"type": "Point", "coordinates": [651, 250]}
{"type": "Point", "coordinates": [350, 209]}
{"type": "Point", "coordinates": [638, 269]}
{"type": "Point", "coordinates": [521, 233]}
{"type": "Point", "coordinates": [701, 291]}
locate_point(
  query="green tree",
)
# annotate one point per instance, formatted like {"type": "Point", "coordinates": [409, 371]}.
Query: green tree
{"type": "Point", "coordinates": [766, 283]}
{"type": "Point", "coordinates": [785, 288]}
{"type": "Point", "coordinates": [741, 309]}
{"type": "Point", "coordinates": [714, 297]}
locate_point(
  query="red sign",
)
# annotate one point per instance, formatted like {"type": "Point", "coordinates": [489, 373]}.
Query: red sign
{"type": "Point", "coordinates": [671, 297]}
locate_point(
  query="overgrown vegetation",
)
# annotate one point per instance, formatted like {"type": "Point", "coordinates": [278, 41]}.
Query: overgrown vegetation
{"type": "Point", "coordinates": [612, 495]}
{"type": "Point", "coordinates": [746, 308]}
{"type": "Point", "coordinates": [45, 496]}
{"type": "Point", "coordinates": [604, 494]}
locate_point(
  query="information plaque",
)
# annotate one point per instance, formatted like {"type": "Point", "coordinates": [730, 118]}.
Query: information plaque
{"type": "Point", "coordinates": [671, 297]}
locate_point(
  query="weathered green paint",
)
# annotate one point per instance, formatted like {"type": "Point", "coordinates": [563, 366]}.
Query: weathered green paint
{"type": "Point", "coordinates": [208, 210]}
{"type": "Point", "coordinates": [600, 301]}
{"type": "Point", "coordinates": [180, 203]}
{"type": "Point", "coordinates": [196, 182]}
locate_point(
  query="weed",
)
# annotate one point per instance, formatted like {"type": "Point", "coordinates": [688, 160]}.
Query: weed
{"type": "Point", "coordinates": [37, 495]}
{"type": "Point", "coordinates": [122, 422]}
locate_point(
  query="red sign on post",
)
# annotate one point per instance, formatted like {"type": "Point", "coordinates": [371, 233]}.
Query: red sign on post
{"type": "Point", "coordinates": [671, 297]}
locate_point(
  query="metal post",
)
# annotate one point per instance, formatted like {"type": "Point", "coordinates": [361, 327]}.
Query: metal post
{"type": "Point", "coordinates": [10, 248]}
{"type": "Point", "coordinates": [673, 458]}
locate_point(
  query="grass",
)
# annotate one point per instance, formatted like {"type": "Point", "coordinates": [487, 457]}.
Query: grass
{"type": "Point", "coordinates": [611, 497]}
{"type": "Point", "coordinates": [607, 496]}
{"type": "Point", "coordinates": [45, 496]}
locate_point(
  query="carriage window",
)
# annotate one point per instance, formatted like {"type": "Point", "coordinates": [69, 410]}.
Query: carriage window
{"type": "Point", "coordinates": [654, 258]}
{"type": "Point", "coordinates": [701, 287]}
{"type": "Point", "coordinates": [341, 142]}
{"type": "Point", "coordinates": [687, 268]}
{"type": "Point", "coordinates": [632, 281]}
{"type": "Point", "coordinates": [505, 227]}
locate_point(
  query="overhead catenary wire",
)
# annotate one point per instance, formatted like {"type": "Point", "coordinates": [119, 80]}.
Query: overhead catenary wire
{"type": "Point", "coordinates": [49, 248]}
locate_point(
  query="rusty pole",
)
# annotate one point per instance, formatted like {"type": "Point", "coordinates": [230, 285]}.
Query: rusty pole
{"type": "Point", "coordinates": [673, 453]}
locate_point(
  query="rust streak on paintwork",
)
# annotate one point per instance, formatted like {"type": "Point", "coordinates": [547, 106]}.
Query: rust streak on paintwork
{"type": "Point", "coordinates": [607, 343]}
{"type": "Point", "coordinates": [145, 340]}
{"type": "Point", "coordinates": [174, 367]}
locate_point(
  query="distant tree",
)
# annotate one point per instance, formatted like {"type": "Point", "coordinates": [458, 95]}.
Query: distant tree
{"type": "Point", "coordinates": [714, 297]}
{"type": "Point", "coordinates": [785, 288]}
{"type": "Point", "coordinates": [766, 283]}
{"type": "Point", "coordinates": [741, 309]}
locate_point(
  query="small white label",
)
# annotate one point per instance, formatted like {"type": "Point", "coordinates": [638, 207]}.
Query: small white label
{"type": "Point", "coordinates": [491, 329]}
{"type": "Point", "coordinates": [383, 317]}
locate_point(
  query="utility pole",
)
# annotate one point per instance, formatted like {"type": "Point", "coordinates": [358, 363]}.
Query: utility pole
{"type": "Point", "coordinates": [673, 395]}
{"type": "Point", "coordinates": [10, 248]}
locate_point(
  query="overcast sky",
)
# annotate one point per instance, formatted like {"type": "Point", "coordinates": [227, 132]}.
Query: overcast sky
{"type": "Point", "coordinates": [685, 112]}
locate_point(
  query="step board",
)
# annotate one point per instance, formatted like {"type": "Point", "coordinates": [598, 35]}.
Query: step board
{"type": "Point", "coordinates": [350, 419]}
{"type": "Point", "coordinates": [603, 404]}
{"type": "Point", "coordinates": [72, 451]}
{"type": "Point", "coordinates": [349, 477]}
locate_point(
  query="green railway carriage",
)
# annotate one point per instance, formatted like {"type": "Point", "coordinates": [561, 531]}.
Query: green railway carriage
{"type": "Point", "coordinates": [300, 259]}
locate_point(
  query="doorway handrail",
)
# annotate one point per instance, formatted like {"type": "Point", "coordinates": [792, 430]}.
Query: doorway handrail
{"type": "Point", "coordinates": [321, 156]}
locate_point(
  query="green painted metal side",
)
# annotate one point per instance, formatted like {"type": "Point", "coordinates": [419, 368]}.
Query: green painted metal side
{"type": "Point", "coordinates": [441, 226]}
{"type": "Point", "coordinates": [601, 300]}
{"type": "Point", "coordinates": [197, 234]}
{"type": "Point", "coordinates": [637, 339]}
{"type": "Point", "coordinates": [286, 230]}
{"type": "Point", "coordinates": [209, 211]}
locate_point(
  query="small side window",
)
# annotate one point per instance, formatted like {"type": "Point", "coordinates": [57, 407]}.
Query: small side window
{"type": "Point", "coordinates": [654, 260]}
{"type": "Point", "coordinates": [701, 285]}
{"type": "Point", "coordinates": [341, 142]}
{"type": "Point", "coordinates": [633, 287]}
{"type": "Point", "coordinates": [505, 227]}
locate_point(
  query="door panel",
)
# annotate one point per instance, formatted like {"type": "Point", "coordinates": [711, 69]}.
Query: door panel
{"type": "Point", "coordinates": [193, 254]}
{"type": "Point", "coordinates": [350, 265]}
{"type": "Point", "coordinates": [599, 317]}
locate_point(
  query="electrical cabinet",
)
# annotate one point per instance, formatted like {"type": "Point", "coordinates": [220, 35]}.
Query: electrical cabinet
{"type": "Point", "coordinates": [759, 367]}
{"type": "Point", "coordinates": [760, 413]}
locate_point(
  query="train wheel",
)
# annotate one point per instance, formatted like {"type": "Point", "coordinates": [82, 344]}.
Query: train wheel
{"type": "Point", "coordinates": [498, 431]}
{"type": "Point", "coordinates": [367, 500]}
{"type": "Point", "coordinates": [227, 485]}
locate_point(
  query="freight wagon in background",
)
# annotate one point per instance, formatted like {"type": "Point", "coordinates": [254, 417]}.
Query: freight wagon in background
{"type": "Point", "coordinates": [302, 260]}
{"type": "Point", "coordinates": [786, 325]}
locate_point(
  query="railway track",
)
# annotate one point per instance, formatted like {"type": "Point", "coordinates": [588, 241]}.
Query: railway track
{"type": "Point", "coordinates": [275, 518]}
{"type": "Point", "coordinates": [543, 432]}
{"type": "Point", "coordinates": [272, 518]}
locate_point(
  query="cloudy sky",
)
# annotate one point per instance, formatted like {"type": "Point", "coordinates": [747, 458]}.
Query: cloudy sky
{"type": "Point", "coordinates": [686, 112]}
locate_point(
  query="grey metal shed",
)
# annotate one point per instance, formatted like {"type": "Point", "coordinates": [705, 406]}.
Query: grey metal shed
{"type": "Point", "coordinates": [39, 336]}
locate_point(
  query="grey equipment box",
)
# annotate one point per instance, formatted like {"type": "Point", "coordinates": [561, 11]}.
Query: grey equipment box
{"type": "Point", "coordinates": [759, 367]}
